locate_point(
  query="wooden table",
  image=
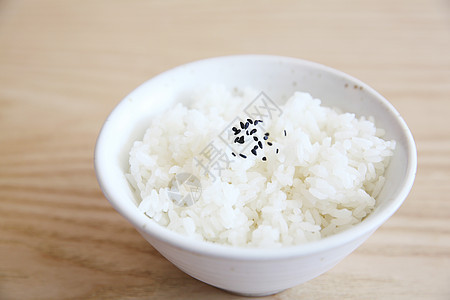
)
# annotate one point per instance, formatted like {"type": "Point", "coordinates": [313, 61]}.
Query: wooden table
{"type": "Point", "coordinates": [65, 64]}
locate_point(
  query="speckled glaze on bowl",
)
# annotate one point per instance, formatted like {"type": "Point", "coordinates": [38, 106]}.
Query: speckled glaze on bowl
{"type": "Point", "coordinates": [251, 271]}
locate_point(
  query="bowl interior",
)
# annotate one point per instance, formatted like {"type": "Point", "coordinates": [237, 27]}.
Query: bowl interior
{"type": "Point", "coordinates": [278, 78]}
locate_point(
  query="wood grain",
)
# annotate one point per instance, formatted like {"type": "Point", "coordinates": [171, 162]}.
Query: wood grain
{"type": "Point", "coordinates": [65, 64]}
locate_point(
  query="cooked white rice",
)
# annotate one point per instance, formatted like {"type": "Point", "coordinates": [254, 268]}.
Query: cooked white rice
{"type": "Point", "coordinates": [324, 178]}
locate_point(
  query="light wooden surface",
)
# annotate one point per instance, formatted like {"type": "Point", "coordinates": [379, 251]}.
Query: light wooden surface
{"type": "Point", "coordinates": [65, 64]}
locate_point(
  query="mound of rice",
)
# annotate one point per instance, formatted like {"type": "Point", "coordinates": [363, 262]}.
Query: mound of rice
{"type": "Point", "coordinates": [320, 175]}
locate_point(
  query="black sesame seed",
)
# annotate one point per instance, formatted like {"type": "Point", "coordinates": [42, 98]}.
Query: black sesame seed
{"type": "Point", "coordinates": [242, 125]}
{"type": "Point", "coordinates": [233, 154]}
{"type": "Point", "coordinates": [250, 121]}
{"type": "Point", "coordinates": [255, 147]}
{"type": "Point", "coordinates": [237, 131]}
{"type": "Point", "coordinates": [246, 132]}
{"type": "Point", "coordinates": [256, 122]}
{"type": "Point", "coordinates": [241, 140]}
{"type": "Point", "coordinates": [266, 134]}
{"type": "Point", "coordinates": [269, 143]}
{"type": "Point", "coordinates": [246, 125]}
{"type": "Point", "coordinates": [254, 152]}
{"type": "Point", "coordinates": [260, 144]}
{"type": "Point", "coordinates": [285, 132]}
{"type": "Point", "coordinates": [265, 137]}
{"type": "Point", "coordinates": [255, 138]}
{"type": "Point", "coordinates": [264, 158]}
{"type": "Point", "coordinates": [242, 155]}
{"type": "Point", "coordinates": [236, 140]}
{"type": "Point", "coordinates": [234, 128]}
{"type": "Point", "coordinates": [277, 150]}
{"type": "Point", "coordinates": [253, 131]}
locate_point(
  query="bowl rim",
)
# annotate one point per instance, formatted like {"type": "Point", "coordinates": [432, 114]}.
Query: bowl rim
{"type": "Point", "coordinates": [147, 226]}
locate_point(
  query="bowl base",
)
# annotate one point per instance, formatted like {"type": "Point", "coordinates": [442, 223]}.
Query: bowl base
{"type": "Point", "coordinates": [254, 294]}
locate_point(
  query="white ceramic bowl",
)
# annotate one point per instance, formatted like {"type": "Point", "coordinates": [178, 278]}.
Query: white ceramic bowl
{"type": "Point", "coordinates": [251, 271]}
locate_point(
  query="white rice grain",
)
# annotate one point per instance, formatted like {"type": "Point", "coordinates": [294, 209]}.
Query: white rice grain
{"type": "Point", "coordinates": [323, 178]}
